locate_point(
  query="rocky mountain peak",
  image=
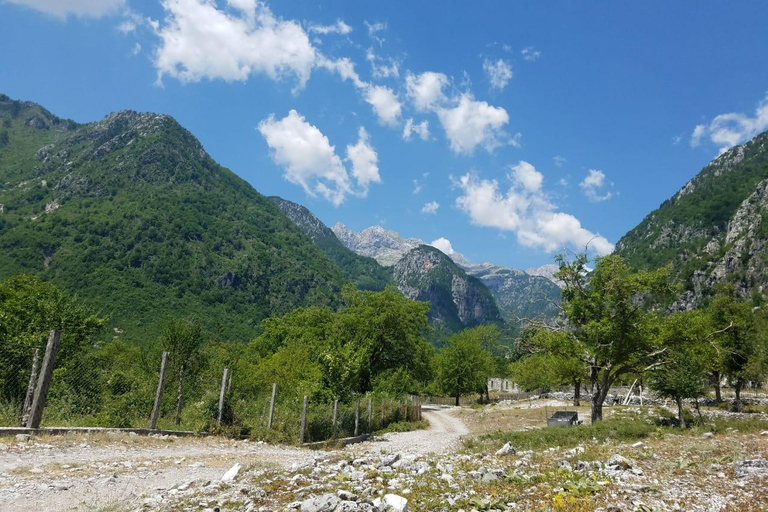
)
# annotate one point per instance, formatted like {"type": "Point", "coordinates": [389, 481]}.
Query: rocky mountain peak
{"type": "Point", "coordinates": [384, 245]}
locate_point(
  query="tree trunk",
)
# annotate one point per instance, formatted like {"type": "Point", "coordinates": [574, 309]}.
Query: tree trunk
{"type": "Point", "coordinates": [457, 399]}
{"type": "Point", "coordinates": [179, 395]}
{"type": "Point", "coordinates": [737, 389]}
{"type": "Point", "coordinates": [680, 416]}
{"type": "Point", "coordinates": [487, 394]}
{"type": "Point", "coordinates": [718, 396]}
{"type": "Point", "coordinates": [576, 393]}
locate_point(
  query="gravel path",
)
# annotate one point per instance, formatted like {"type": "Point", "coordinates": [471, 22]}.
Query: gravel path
{"type": "Point", "coordinates": [115, 472]}
{"type": "Point", "coordinates": [443, 435]}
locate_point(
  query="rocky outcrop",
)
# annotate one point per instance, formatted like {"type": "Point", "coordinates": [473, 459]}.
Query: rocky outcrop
{"type": "Point", "coordinates": [457, 300]}
{"type": "Point", "coordinates": [384, 245]}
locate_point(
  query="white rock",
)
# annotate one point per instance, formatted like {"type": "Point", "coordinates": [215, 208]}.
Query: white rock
{"type": "Point", "coordinates": [638, 444]}
{"type": "Point", "coordinates": [396, 503]}
{"type": "Point", "coordinates": [231, 473]}
{"type": "Point", "coordinates": [507, 449]}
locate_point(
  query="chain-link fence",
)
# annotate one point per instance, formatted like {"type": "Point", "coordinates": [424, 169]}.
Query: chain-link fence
{"type": "Point", "coordinates": [120, 386]}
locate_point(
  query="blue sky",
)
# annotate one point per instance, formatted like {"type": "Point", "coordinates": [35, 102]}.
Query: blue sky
{"type": "Point", "coordinates": [510, 129]}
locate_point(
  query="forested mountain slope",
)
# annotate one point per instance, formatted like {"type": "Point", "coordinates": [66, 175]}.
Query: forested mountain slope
{"type": "Point", "coordinates": [136, 218]}
{"type": "Point", "coordinates": [714, 229]}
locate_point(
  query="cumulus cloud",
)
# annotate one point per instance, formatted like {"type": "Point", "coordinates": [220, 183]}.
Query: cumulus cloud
{"type": "Point", "coordinates": [426, 90]}
{"type": "Point", "coordinates": [728, 130]}
{"type": "Point", "coordinates": [384, 102]}
{"type": "Point", "coordinates": [364, 161]}
{"type": "Point", "coordinates": [525, 210]}
{"type": "Point", "coordinates": [310, 161]}
{"type": "Point", "coordinates": [337, 28]}
{"type": "Point", "coordinates": [421, 129]}
{"type": "Point", "coordinates": [444, 245]}
{"type": "Point", "coordinates": [430, 207]}
{"type": "Point", "coordinates": [473, 123]}
{"type": "Point", "coordinates": [530, 53]}
{"type": "Point", "coordinates": [592, 184]}
{"type": "Point", "coordinates": [81, 8]}
{"type": "Point", "coordinates": [499, 73]}
{"type": "Point", "coordinates": [199, 40]}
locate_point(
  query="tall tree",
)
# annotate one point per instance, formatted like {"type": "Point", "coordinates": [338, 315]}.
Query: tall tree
{"type": "Point", "coordinates": [612, 330]}
{"type": "Point", "coordinates": [463, 365]}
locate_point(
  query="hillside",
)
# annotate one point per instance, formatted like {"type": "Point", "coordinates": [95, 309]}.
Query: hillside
{"type": "Point", "coordinates": [714, 229]}
{"type": "Point", "coordinates": [136, 218]}
{"type": "Point", "coordinates": [362, 271]}
{"type": "Point", "coordinates": [457, 299]}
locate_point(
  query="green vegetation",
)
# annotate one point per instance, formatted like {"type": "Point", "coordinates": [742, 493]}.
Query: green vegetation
{"type": "Point", "coordinates": [463, 365]}
{"type": "Point", "coordinates": [132, 215]}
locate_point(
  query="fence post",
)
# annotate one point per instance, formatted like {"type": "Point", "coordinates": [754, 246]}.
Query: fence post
{"type": "Point", "coordinates": [357, 417]}
{"type": "Point", "coordinates": [272, 406]}
{"type": "Point", "coordinates": [370, 415]}
{"type": "Point", "coordinates": [44, 382]}
{"type": "Point", "coordinates": [223, 393]}
{"type": "Point", "coordinates": [159, 393]}
{"type": "Point", "coordinates": [229, 382]}
{"type": "Point", "coordinates": [335, 410]}
{"type": "Point", "coordinates": [303, 420]}
{"type": "Point", "coordinates": [30, 389]}
{"type": "Point", "coordinates": [381, 419]}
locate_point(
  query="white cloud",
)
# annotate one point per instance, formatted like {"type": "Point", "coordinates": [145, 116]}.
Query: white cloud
{"type": "Point", "coordinates": [421, 129]}
{"type": "Point", "coordinates": [444, 245]}
{"type": "Point", "coordinates": [337, 28]}
{"type": "Point", "coordinates": [426, 89]}
{"type": "Point", "coordinates": [364, 160]}
{"type": "Point", "coordinates": [310, 161]}
{"type": "Point", "coordinates": [136, 49]}
{"type": "Point", "coordinates": [728, 130]}
{"type": "Point", "coordinates": [417, 186]}
{"type": "Point", "coordinates": [526, 211]}
{"type": "Point", "coordinates": [380, 67]}
{"type": "Point", "coordinates": [199, 40]}
{"type": "Point", "coordinates": [527, 175]}
{"type": "Point", "coordinates": [591, 185]}
{"type": "Point", "coordinates": [384, 103]}
{"type": "Point", "coordinates": [81, 8]}
{"type": "Point", "coordinates": [559, 160]}
{"type": "Point", "coordinates": [374, 29]}
{"type": "Point", "coordinates": [344, 67]}
{"type": "Point", "coordinates": [499, 73]}
{"type": "Point", "coordinates": [127, 26]}
{"type": "Point", "coordinates": [430, 207]}
{"type": "Point", "coordinates": [530, 53]}
{"type": "Point", "coordinates": [473, 123]}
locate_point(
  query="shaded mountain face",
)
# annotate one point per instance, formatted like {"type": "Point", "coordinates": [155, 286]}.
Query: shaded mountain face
{"type": "Point", "coordinates": [131, 214]}
{"type": "Point", "coordinates": [457, 300]}
{"type": "Point", "coordinates": [362, 271]}
{"type": "Point", "coordinates": [519, 296]}
{"type": "Point", "coordinates": [713, 230]}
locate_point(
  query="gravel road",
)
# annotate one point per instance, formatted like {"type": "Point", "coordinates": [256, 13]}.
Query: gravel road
{"type": "Point", "coordinates": [114, 472]}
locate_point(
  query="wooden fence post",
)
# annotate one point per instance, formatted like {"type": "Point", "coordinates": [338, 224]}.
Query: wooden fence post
{"type": "Point", "coordinates": [272, 406]}
{"type": "Point", "coordinates": [303, 420]}
{"type": "Point", "coordinates": [335, 412]}
{"type": "Point", "coordinates": [44, 382]}
{"type": "Point", "coordinates": [381, 419]}
{"type": "Point", "coordinates": [370, 415]}
{"type": "Point", "coordinates": [30, 389]}
{"type": "Point", "coordinates": [223, 393]}
{"type": "Point", "coordinates": [159, 393]}
{"type": "Point", "coordinates": [357, 417]}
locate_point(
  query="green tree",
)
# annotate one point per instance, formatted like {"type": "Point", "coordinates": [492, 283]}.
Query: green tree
{"type": "Point", "coordinates": [684, 372]}
{"type": "Point", "coordinates": [612, 330]}
{"type": "Point", "coordinates": [463, 365]}
{"type": "Point", "coordinates": [741, 339]}
{"type": "Point", "coordinates": [184, 341]}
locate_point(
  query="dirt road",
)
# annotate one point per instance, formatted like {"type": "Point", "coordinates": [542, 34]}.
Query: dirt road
{"type": "Point", "coordinates": [115, 473]}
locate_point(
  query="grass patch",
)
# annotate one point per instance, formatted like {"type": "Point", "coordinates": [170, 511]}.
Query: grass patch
{"type": "Point", "coordinates": [404, 426]}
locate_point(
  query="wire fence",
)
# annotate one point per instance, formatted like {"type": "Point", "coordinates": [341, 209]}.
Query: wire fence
{"type": "Point", "coordinates": [43, 385]}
